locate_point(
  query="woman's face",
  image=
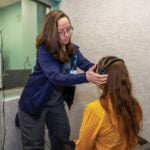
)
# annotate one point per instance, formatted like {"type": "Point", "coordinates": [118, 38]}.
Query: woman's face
{"type": "Point", "coordinates": [64, 30]}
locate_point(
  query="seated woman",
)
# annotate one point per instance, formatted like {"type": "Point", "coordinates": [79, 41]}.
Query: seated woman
{"type": "Point", "coordinates": [113, 121]}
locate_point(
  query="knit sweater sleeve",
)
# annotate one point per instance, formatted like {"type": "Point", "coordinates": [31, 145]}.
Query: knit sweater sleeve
{"type": "Point", "coordinates": [91, 123]}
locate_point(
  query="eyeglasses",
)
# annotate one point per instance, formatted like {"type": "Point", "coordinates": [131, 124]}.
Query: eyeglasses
{"type": "Point", "coordinates": [68, 30]}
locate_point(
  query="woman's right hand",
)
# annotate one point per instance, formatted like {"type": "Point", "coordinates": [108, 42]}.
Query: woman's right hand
{"type": "Point", "coordinates": [96, 78]}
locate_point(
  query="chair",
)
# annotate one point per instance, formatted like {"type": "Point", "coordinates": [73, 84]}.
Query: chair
{"type": "Point", "coordinates": [143, 147]}
{"type": "Point", "coordinates": [143, 144]}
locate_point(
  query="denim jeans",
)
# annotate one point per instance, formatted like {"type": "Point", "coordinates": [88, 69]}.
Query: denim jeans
{"type": "Point", "coordinates": [33, 129]}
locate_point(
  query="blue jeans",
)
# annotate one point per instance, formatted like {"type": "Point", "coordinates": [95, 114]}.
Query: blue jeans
{"type": "Point", "coordinates": [33, 129]}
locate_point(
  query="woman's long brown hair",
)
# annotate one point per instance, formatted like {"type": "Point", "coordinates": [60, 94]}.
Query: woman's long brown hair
{"type": "Point", "coordinates": [126, 109]}
{"type": "Point", "coordinates": [50, 38]}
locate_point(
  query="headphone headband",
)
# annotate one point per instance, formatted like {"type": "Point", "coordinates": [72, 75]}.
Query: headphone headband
{"type": "Point", "coordinates": [114, 59]}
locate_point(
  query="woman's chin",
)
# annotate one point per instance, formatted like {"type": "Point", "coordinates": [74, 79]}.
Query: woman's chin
{"type": "Point", "coordinates": [65, 42]}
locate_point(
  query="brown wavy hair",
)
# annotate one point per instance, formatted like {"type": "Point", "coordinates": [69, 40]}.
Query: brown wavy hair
{"type": "Point", "coordinates": [125, 107]}
{"type": "Point", "coordinates": [50, 38]}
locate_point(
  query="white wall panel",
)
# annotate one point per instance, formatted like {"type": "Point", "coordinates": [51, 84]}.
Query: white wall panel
{"type": "Point", "coordinates": [114, 27]}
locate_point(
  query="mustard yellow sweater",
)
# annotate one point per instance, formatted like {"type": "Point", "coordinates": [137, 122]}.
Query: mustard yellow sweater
{"type": "Point", "coordinates": [96, 132]}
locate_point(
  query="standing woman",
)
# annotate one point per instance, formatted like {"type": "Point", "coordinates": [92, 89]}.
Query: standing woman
{"type": "Point", "coordinates": [42, 100]}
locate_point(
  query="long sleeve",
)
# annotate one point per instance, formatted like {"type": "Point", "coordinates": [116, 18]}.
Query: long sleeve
{"type": "Point", "coordinates": [82, 62]}
{"type": "Point", "coordinates": [52, 69]}
{"type": "Point", "coordinates": [90, 127]}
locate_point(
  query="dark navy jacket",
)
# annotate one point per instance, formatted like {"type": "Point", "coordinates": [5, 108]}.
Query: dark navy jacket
{"type": "Point", "coordinates": [47, 75]}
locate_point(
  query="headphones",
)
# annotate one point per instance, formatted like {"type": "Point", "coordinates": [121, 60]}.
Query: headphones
{"type": "Point", "coordinates": [108, 63]}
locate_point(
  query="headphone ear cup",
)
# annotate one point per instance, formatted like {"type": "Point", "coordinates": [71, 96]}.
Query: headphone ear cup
{"type": "Point", "coordinates": [101, 71]}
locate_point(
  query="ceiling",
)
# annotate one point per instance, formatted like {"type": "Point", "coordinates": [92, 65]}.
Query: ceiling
{"type": "Point", "coordinates": [4, 3]}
